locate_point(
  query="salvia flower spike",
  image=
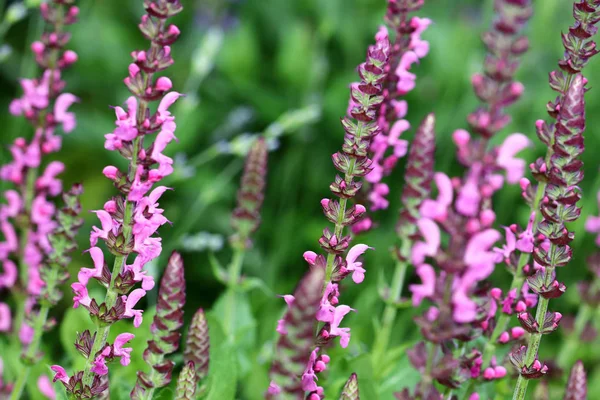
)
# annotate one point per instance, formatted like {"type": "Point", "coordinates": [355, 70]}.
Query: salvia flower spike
{"type": "Point", "coordinates": [186, 384]}
{"type": "Point", "coordinates": [352, 161]}
{"type": "Point", "coordinates": [197, 345]}
{"type": "Point", "coordinates": [558, 176]}
{"type": "Point", "coordinates": [54, 273]}
{"type": "Point", "coordinates": [130, 220]}
{"type": "Point", "coordinates": [387, 148]}
{"type": "Point", "coordinates": [246, 216]}
{"type": "Point", "coordinates": [294, 345]}
{"type": "Point", "coordinates": [558, 206]}
{"type": "Point", "coordinates": [417, 183]}
{"type": "Point", "coordinates": [417, 188]}
{"type": "Point", "coordinates": [165, 331]}
{"type": "Point", "coordinates": [45, 106]}
{"type": "Point", "coordinates": [577, 384]}
{"type": "Point", "coordinates": [350, 390]}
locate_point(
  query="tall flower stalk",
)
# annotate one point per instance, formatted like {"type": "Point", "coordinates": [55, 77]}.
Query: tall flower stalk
{"type": "Point", "coordinates": [463, 210]}
{"type": "Point", "coordinates": [296, 331]}
{"type": "Point", "coordinates": [54, 273]}
{"type": "Point", "coordinates": [245, 221]}
{"type": "Point", "coordinates": [417, 187]}
{"type": "Point", "coordinates": [165, 331]}
{"type": "Point", "coordinates": [45, 106]}
{"type": "Point", "coordinates": [129, 220]}
{"type": "Point", "coordinates": [352, 161]}
{"type": "Point", "coordinates": [406, 49]}
{"type": "Point", "coordinates": [562, 174]}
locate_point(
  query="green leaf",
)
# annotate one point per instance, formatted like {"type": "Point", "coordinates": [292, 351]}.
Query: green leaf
{"type": "Point", "coordinates": [222, 373]}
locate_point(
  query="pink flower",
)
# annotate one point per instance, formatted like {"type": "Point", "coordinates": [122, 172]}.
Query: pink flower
{"type": "Point", "coordinates": [406, 80]}
{"type": "Point", "coordinates": [130, 302]}
{"type": "Point", "coordinates": [85, 274]}
{"type": "Point", "coordinates": [139, 187]}
{"type": "Point", "coordinates": [5, 318]}
{"type": "Point", "coordinates": [41, 210]}
{"type": "Point", "coordinates": [123, 352]}
{"type": "Point", "coordinates": [139, 275]}
{"type": "Point", "coordinates": [310, 257]}
{"type": "Point", "coordinates": [165, 103]}
{"type": "Point", "coordinates": [309, 377]}
{"type": "Point", "coordinates": [81, 295]}
{"type": "Point", "coordinates": [9, 277]}
{"type": "Point", "coordinates": [358, 272]}
{"type": "Point", "coordinates": [592, 223]}
{"type": "Point", "coordinates": [14, 205]}
{"type": "Point", "coordinates": [48, 180]}
{"type": "Point", "coordinates": [126, 129]}
{"type": "Point", "coordinates": [100, 367]}
{"type": "Point", "coordinates": [60, 374]}
{"type": "Point", "coordinates": [469, 196]}
{"type": "Point", "coordinates": [26, 333]}
{"type": "Point", "coordinates": [418, 45]}
{"type": "Point", "coordinates": [335, 330]}
{"type": "Point", "coordinates": [515, 167]}
{"type": "Point", "coordinates": [281, 329]}
{"type": "Point", "coordinates": [510, 246]}
{"type": "Point", "coordinates": [382, 33]}
{"type": "Point", "coordinates": [45, 387]}
{"type": "Point", "coordinates": [427, 288]}
{"type": "Point", "coordinates": [431, 233]}
{"type": "Point", "coordinates": [289, 299]}
{"type": "Point", "coordinates": [274, 388]}
{"type": "Point", "coordinates": [437, 209]}
{"type": "Point", "coordinates": [63, 102]}
{"type": "Point", "coordinates": [377, 196]}
{"type": "Point", "coordinates": [478, 254]}
{"type": "Point", "coordinates": [108, 225]}
{"type": "Point", "coordinates": [525, 242]}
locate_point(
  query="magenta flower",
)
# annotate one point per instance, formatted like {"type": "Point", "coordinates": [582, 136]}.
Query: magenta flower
{"type": "Point", "coordinates": [515, 167]}
{"type": "Point", "coordinates": [427, 287]}
{"type": "Point", "coordinates": [437, 209]}
{"type": "Point", "coordinates": [431, 243]}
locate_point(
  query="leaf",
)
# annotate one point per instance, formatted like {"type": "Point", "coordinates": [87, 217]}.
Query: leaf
{"type": "Point", "coordinates": [217, 269]}
{"type": "Point", "coordinates": [222, 373]}
{"type": "Point", "coordinates": [249, 284]}
{"type": "Point", "coordinates": [233, 311]}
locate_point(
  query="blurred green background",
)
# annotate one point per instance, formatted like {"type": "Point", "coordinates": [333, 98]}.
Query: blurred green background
{"type": "Point", "coordinates": [244, 64]}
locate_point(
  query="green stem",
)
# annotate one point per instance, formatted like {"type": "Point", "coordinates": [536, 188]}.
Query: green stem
{"type": "Point", "coordinates": [339, 226]}
{"type": "Point", "coordinates": [536, 338]}
{"type": "Point", "coordinates": [235, 270]}
{"type": "Point", "coordinates": [389, 314]}
{"type": "Point", "coordinates": [31, 353]}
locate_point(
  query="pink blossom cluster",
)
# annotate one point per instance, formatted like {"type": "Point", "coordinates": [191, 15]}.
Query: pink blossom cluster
{"type": "Point", "coordinates": [47, 109]}
{"type": "Point", "coordinates": [391, 113]}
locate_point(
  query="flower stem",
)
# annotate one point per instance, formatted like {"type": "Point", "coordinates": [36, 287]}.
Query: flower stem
{"type": "Point", "coordinates": [389, 314]}
{"type": "Point", "coordinates": [339, 226]}
{"type": "Point", "coordinates": [235, 270]}
{"type": "Point", "coordinates": [32, 350]}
